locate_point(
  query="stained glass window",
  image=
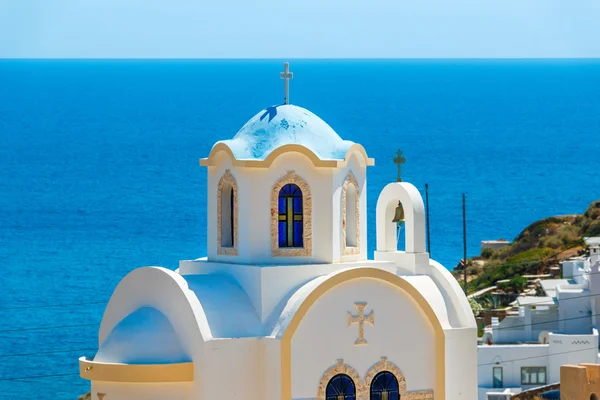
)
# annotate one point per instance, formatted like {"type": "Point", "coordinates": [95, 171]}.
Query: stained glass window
{"type": "Point", "coordinates": [385, 387]}
{"type": "Point", "coordinates": [290, 216]}
{"type": "Point", "coordinates": [340, 387]}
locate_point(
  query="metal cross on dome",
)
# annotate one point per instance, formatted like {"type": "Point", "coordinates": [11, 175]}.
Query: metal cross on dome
{"type": "Point", "coordinates": [286, 75]}
{"type": "Point", "coordinates": [399, 160]}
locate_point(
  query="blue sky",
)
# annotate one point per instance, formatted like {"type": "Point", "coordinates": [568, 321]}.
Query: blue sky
{"type": "Point", "coordinates": [298, 29]}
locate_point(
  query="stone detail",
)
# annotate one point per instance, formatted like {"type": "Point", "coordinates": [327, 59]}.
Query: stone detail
{"type": "Point", "coordinates": [420, 395]}
{"type": "Point", "coordinates": [349, 251]}
{"type": "Point", "coordinates": [100, 395]}
{"type": "Point", "coordinates": [363, 386]}
{"type": "Point", "coordinates": [276, 251]}
{"type": "Point", "coordinates": [385, 365]}
{"type": "Point", "coordinates": [360, 319]}
{"type": "Point", "coordinates": [340, 368]}
{"type": "Point", "coordinates": [227, 180]}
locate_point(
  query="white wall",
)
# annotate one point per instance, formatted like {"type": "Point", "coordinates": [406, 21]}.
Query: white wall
{"type": "Point", "coordinates": [401, 332]}
{"type": "Point", "coordinates": [511, 358]}
{"type": "Point", "coordinates": [571, 349]}
{"type": "Point", "coordinates": [575, 311]}
{"type": "Point", "coordinates": [143, 391]}
{"type": "Point", "coordinates": [461, 351]}
{"type": "Point", "coordinates": [234, 369]}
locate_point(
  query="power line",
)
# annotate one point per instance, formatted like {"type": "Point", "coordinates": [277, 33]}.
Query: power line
{"type": "Point", "coordinates": [46, 327]}
{"type": "Point", "coordinates": [544, 302]}
{"type": "Point", "coordinates": [36, 376]}
{"type": "Point", "coordinates": [529, 358]}
{"type": "Point", "coordinates": [549, 322]}
{"type": "Point", "coordinates": [45, 352]}
{"type": "Point", "coordinates": [52, 305]}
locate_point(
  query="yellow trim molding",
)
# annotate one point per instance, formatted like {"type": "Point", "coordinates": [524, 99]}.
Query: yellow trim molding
{"type": "Point", "coordinates": [266, 163]}
{"type": "Point", "coordinates": [97, 371]}
{"type": "Point", "coordinates": [277, 251]}
{"type": "Point", "coordinates": [360, 273]}
{"type": "Point", "coordinates": [349, 251]}
{"type": "Point", "coordinates": [227, 180]}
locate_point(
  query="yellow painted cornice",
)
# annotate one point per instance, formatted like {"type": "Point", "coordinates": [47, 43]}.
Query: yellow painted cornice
{"type": "Point", "coordinates": [97, 371]}
{"type": "Point", "coordinates": [288, 148]}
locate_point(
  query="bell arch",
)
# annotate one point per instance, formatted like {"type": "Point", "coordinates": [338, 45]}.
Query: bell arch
{"type": "Point", "coordinates": [414, 211]}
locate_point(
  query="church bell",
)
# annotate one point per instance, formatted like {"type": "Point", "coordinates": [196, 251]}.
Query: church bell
{"type": "Point", "coordinates": [399, 217]}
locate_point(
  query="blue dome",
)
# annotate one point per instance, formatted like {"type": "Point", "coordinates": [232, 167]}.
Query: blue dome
{"type": "Point", "coordinates": [286, 124]}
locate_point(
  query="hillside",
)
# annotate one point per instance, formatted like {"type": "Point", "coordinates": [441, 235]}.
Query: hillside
{"type": "Point", "coordinates": [538, 247]}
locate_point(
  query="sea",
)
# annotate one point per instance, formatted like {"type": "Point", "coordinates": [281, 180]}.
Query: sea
{"type": "Point", "coordinates": [99, 169]}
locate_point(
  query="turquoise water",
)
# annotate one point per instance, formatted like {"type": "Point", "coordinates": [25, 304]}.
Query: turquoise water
{"type": "Point", "coordinates": [99, 168]}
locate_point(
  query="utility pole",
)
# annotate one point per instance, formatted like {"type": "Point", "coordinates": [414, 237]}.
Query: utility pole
{"type": "Point", "coordinates": [464, 209]}
{"type": "Point", "coordinates": [427, 218]}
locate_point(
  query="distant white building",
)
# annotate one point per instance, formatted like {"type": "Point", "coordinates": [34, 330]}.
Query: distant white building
{"type": "Point", "coordinates": [494, 244]}
{"type": "Point", "coordinates": [555, 329]}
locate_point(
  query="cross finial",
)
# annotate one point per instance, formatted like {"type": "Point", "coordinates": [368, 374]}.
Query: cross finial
{"type": "Point", "coordinates": [399, 160]}
{"type": "Point", "coordinates": [360, 319]}
{"type": "Point", "coordinates": [286, 75]}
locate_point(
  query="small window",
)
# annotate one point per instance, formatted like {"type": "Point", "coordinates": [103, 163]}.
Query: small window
{"type": "Point", "coordinates": [340, 387]}
{"type": "Point", "coordinates": [498, 378]}
{"type": "Point", "coordinates": [290, 216]}
{"type": "Point", "coordinates": [385, 387]}
{"type": "Point", "coordinates": [227, 217]}
{"type": "Point", "coordinates": [351, 200]}
{"type": "Point", "coordinates": [533, 376]}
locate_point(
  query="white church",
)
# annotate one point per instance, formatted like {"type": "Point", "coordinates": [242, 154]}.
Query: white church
{"type": "Point", "coordinates": [287, 304]}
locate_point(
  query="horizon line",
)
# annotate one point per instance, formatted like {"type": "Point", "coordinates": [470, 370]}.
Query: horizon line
{"type": "Point", "coordinates": [286, 58]}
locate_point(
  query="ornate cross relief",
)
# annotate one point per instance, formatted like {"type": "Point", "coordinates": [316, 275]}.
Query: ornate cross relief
{"type": "Point", "coordinates": [360, 319]}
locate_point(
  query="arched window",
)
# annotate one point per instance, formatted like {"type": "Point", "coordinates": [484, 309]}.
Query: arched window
{"type": "Point", "coordinates": [340, 387]}
{"type": "Point", "coordinates": [350, 216]}
{"type": "Point", "coordinates": [227, 204]}
{"type": "Point", "coordinates": [593, 396]}
{"type": "Point", "coordinates": [385, 387]}
{"type": "Point", "coordinates": [227, 216]}
{"type": "Point", "coordinates": [290, 216]}
{"type": "Point", "coordinates": [351, 202]}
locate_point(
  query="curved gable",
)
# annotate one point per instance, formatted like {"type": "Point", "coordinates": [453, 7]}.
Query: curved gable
{"type": "Point", "coordinates": [143, 337]}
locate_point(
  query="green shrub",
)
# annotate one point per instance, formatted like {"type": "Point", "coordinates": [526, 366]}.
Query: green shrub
{"type": "Point", "coordinates": [531, 255]}
{"type": "Point", "coordinates": [487, 252]}
{"type": "Point", "coordinates": [551, 242]}
{"type": "Point", "coordinates": [518, 283]}
{"type": "Point", "coordinates": [475, 306]}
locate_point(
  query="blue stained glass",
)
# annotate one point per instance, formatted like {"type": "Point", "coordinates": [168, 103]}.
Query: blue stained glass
{"type": "Point", "coordinates": [282, 234]}
{"type": "Point", "coordinates": [290, 216]}
{"type": "Point", "coordinates": [282, 205]}
{"type": "Point", "coordinates": [340, 387]}
{"type": "Point", "coordinates": [385, 382]}
{"type": "Point", "coordinates": [298, 234]}
{"type": "Point", "coordinates": [297, 205]}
